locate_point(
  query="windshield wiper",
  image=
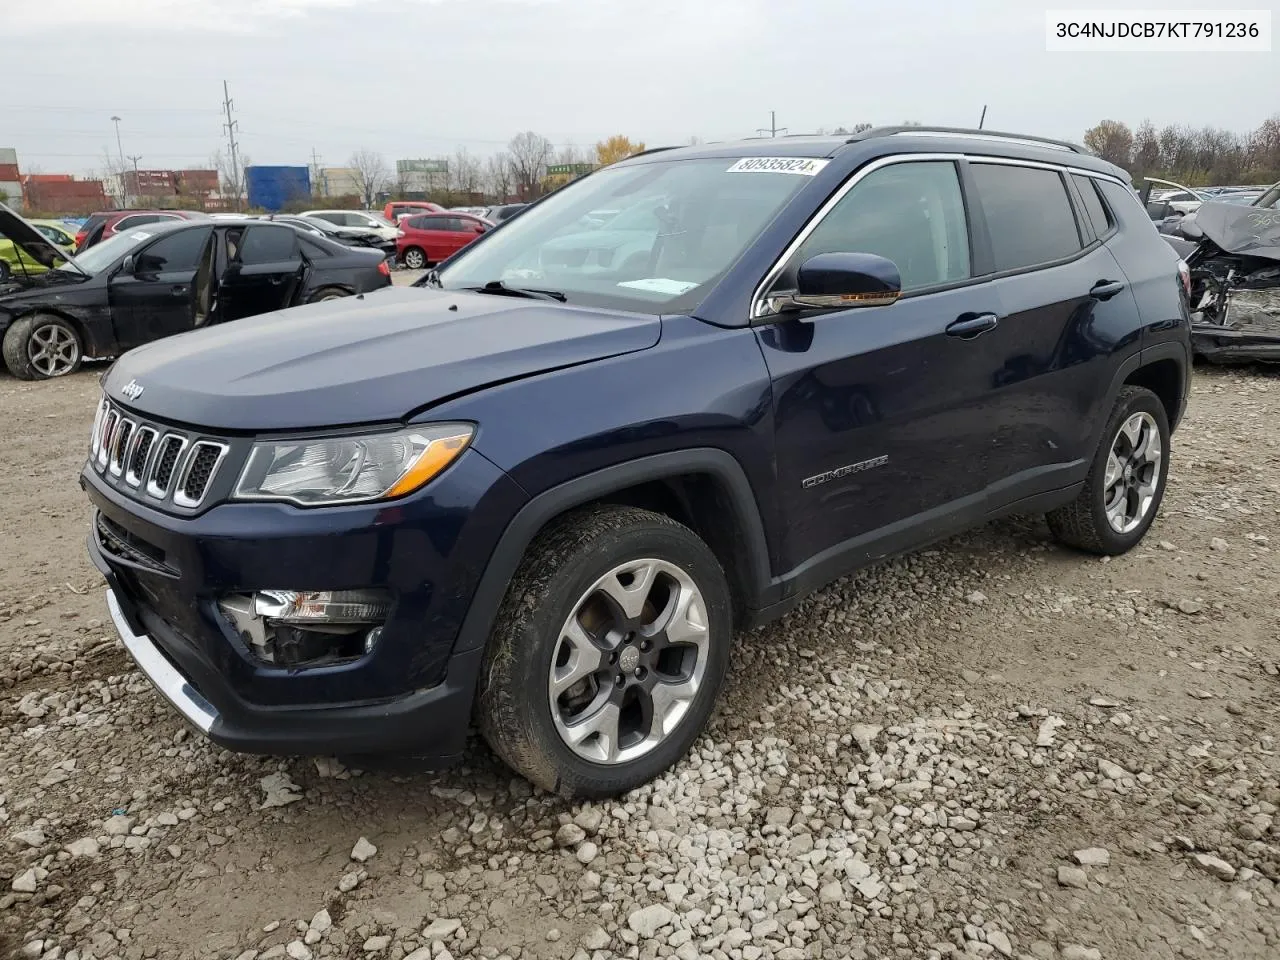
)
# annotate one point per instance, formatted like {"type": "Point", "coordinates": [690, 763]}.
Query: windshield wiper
{"type": "Point", "coordinates": [498, 287]}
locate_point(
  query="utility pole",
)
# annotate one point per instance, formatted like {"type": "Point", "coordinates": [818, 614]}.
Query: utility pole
{"type": "Point", "coordinates": [315, 173]}
{"type": "Point", "coordinates": [137, 187]}
{"type": "Point", "coordinates": [983, 118]}
{"type": "Point", "coordinates": [772, 129]}
{"type": "Point", "coordinates": [230, 126]}
{"type": "Point", "coordinates": [124, 194]}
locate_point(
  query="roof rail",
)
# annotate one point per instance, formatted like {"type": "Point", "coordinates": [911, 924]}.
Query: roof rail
{"type": "Point", "coordinates": [645, 153]}
{"type": "Point", "coordinates": [969, 133]}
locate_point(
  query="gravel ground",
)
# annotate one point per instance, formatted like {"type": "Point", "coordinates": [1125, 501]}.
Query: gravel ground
{"type": "Point", "coordinates": [992, 748]}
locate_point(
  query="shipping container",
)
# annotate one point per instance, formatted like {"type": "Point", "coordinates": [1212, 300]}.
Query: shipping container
{"type": "Point", "coordinates": [272, 188]}
{"type": "Point", "coordinates": [65, 196]}
{"type": "Point", "coordinates": [8, 156]}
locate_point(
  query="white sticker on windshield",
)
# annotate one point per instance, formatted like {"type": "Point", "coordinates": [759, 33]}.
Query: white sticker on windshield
{"type": "Point", "coordinates": [139, 236]}
{"type": "Point", "coordinates": [803, 166]}
{"type": "Point", "coordinates": [660, 285]}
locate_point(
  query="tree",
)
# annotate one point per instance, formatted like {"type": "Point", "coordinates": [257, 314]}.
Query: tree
{"type": "Point", "coordinates": [497, 176]}
{"type": "Point", "coordinates": [529, 153]}
{"type": "Point", "coordinates": [231, 179]}
{"type": "Point", "coordinates": [1146, 149]}
{"type": "Point", "coordinates": [1111, 140]}
{"type": "Point", "coordinates": [369, 170]}
{"type": "Point", "coordinates": [616, 148]}
{"type": "Point", "coordinates": [464, 174]}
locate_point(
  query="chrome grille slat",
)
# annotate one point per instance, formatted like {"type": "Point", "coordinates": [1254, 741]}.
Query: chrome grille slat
{"type": "Point", "coordinates": [165, 466]}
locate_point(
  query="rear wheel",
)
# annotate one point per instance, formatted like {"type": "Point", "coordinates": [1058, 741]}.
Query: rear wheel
{"type": "Point", "coordinates": [1126, 482]}
{"type": "Point", "coordinates": [608, 652]}
{"type": "Point", "coordinates": [415, 259]}
{"type": "Point", "coordinates": [42, 346]}
{"type": "Point", "coordinates": [329, 293]}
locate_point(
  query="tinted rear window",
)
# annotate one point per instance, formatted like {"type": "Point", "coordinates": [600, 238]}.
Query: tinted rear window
{"type": "Point", "coordinates": [178, 251]}
{"type": "Point", "coordinates": [268, 245]}
{"type": "Point", "coordinates": [1028, 214]}
{"type": "Point", "coordinates": [1093, 205]}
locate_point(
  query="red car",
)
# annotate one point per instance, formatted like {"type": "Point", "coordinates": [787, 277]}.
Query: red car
{"type": "Point", "coordinates": [106, 224]}
{"type": "Point", "coordinates": [393, 211]}
{"type": "Point", "coordinates": [432, 237]}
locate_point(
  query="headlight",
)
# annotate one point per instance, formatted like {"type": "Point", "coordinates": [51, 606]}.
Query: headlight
{"type": "Point", "coordinates": [351, 469]}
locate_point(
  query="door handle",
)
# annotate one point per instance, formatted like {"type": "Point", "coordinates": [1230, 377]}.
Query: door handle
{"type": "Point", "coordinates": [178, 292]}
{"type": "Point", "coordinates": [1105, 289]}
{"type": "Point", "coordinates": [970, 325]}
{"type": "Point", "coordinates": [276, 281]}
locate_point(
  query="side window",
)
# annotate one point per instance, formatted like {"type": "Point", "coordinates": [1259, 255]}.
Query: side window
{"type": "Point", "coordinates": [417, 223]}
{"type": "Point", "coordinates": [1029, 216]}
{"type": "Point", "coordinates": [912, 213]}
{"type": "Point", "coordinates": [135, 221]}
{"type": "Point", "coordinates": [312, 249]}
{"type": "Point", "coordinates": [334, 218]}
{"type": "Point", "coordinates": [434, 223]}
{"type": "Point", "coordinates": [268, 245]}
{"type": "Point", "coordinates": [177, 251]}
{"type": "Point", "coordinates": [1099, 216]}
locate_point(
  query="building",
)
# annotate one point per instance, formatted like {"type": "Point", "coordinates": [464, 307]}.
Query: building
{"type": "Point", "coordinates": [339, 182]}
{"type": "Point", "coordinates": [150, 183]}
{"type": "Point", "coordinates": [50, 193]}
{"type": "Point", "coordinates": [417, 178]}
{"type": "Point", "coordinates": [10, 177]}
{"type": "Point", "coordinates": [162, 186]}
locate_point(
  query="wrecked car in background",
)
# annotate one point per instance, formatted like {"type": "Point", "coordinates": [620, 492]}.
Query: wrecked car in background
{"type": "Point", "coordinates": [1233, 252]}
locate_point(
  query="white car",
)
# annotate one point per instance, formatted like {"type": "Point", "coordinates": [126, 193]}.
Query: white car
{"type": "Point", "coordinates": [358, 219]}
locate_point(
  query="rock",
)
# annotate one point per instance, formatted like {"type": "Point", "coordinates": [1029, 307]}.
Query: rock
{"type": "Point", "coordinates": [553, 934]}
{"type": "Point", "coordinates": [1073, 877]}
{"type": "Point", "coordinates": [32, 838]}
{"type": "Point", "coordinates": [1073, 951]}
{"type": "Point", "coordinates": [1000, 940]}
{"type": "Point", "coordinates": [25, 882]}
{"type": "Point", "coordinates": [587, 852]}
{"type": "Point", "coordinates": [970, 676]}
{"type": "Point", "coordinates": [422, 953]}
{"type": "Point", "coordinates": [1112, 771]}
{"type": "Point", "coordinates": [320, 923]}
{"type": "Point", "coordinates": [84, 847]}
{"type": "Point", "coordinates": [778, 816]}
{"type": "Point", "coordinates": [1106, 702]}
{"type": "Point", "coordinates": [1217, 543]}
{"type": "Point", "coordinates": [349, 882]}
{"type": "Point", "coordinates": [864, 735]}
{"type": "Point", "coordinates": [117, 826]}
{"type": "Point", "coordinates": [280, 791]}
{"type": "Point", "coordinates": [1189, 607]}
{"type": "Point", "coordinates": [441, 929]}
{"type": "Point", "coordinates": [363, 850]}
{"type": "Point", "coordinates": [596, 939]}
{"type": "Point", "coordinates": [570, 835]}
{"type": "Point", "coordinates": [647, 921]}
{"type": "Point", "coordinates": [1214, 865]}
{"type": "Point", "coordinates": [297, 950]}
{"type": "Point", "coordinates": [977, 596]}
{"type": "Point", "coordinates": [832, 892]}
{"type": "Point", "coordinates": [1092, 857]}
{"type": "Point", "coordinates": [377, 944]}
{"type": "Point", "coordinates": [589, 819]}
{"type": "Point", "coordinates": [33, 948]}
{"type": "Point", "coordinates": [1048, 727]}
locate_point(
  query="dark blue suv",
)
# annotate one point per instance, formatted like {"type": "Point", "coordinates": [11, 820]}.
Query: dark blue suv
{"type": "Point", "coordinates": [543, 488]}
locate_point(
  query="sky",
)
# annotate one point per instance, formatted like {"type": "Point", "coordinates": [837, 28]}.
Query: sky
{"type": "Point", "coordinates": [421, 78]}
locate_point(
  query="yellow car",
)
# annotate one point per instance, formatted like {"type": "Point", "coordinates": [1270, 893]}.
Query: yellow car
{"type": "Point", "coordinates": [15, 263]}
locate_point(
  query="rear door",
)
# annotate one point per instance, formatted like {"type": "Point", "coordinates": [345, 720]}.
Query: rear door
{"type": "Point", "coordinates": [158, 297]}
{"type": "Point", "coordinates": [437, 237]}
{"type": "Point", "coordinates": [1065, 307]}
{"type": "Point", "coordinates": [264, 271]}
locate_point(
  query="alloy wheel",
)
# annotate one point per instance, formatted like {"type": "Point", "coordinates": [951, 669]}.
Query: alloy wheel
{"type": "Point", "coordinates": [1133, 472]}
{"type": "Point", "coordinates": [629, 661]}
{"type": "Point", "coordinates": [414, 259]}
{"type": "Point", "coordinates": [53, 350]}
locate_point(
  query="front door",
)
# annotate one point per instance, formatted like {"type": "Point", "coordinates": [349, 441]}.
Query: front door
{"type": "Point", "coordinates": [885, 417]}
{"type": "Point", "coordinates": [157, 297]}
{"type": "Point", "coordinates": [263, 273]}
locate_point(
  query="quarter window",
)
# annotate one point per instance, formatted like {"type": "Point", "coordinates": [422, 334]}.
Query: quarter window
{"type": "Point", "coordinates": [1029, 216]}
{"type": "Point", "coordinates": [1093, 205]}
{"type": "Point", "coordinates": [912, 213]}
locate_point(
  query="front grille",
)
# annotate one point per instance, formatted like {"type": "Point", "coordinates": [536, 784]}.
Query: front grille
{"type": "Point", "coordinates": [120, 542]}
{"type": "Point", "coordinates": [152, 462]}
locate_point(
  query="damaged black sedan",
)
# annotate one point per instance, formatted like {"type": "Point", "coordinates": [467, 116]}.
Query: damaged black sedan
{"type": "Point", "coordinates": [161, 279]}
{"type": "Point", "coordinates": [1233, 253]}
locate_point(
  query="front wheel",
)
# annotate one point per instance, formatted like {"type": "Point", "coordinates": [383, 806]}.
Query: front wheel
{"type": "Point", "coordinates": [42, 346]}
{"type": "Point", "coordinates": [1126, 482]}
{"type": "Point", "coordinates": [607, 654]}
{"type": "Point", "coordinates": [415, 259]}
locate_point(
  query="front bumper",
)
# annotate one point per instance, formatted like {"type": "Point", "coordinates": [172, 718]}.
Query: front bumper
{"type": "Point", "coordinates": [410, 695]}
{"type": "Point", "coordinates": [1223, 344]}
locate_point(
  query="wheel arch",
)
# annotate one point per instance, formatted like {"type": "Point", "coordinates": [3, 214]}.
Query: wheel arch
{"type": "Point", "coordinates": [704, 488]}
{"type": "Point", "coordinates": [87, 343]}
{"type": "Point", "coordinates": [344, 288]}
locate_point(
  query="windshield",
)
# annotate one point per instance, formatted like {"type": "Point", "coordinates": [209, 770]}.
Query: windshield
{"type": "Point", "coordinates": [100, 256]}
{"type": "Point", "coordinates": [680, 225]}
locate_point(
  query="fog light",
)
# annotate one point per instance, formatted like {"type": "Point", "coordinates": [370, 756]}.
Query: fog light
{"type": "Point", "coordinates": [322, 606]}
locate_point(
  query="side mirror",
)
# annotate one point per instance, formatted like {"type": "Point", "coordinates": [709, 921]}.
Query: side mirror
{"type": "Point", "coordinates": [128, 264]}
{"type": "Point", "coordinates": [839, 281]}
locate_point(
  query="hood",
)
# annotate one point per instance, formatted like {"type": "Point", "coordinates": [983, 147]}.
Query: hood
{"type": "Point", "coordinates": [30, 240]}
{"type": "Point", "coordinates": [1244, 231]}
{"type": "Point", "coordinates": [359, 360]}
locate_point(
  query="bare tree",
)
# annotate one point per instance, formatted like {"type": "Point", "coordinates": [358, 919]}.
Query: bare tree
{"type": "Point", "coordinates": [113, 179]}
{"type": "Point", "coordinates": [370, 174]}
{"type": "Point", "coordinates": [231, 179]}
{"type": "Point", "coordinates": [497, 176]}
{"type": "Point", "coordinates": [530, 153]}
{"type": "Point", "coordinates": [464, 173]}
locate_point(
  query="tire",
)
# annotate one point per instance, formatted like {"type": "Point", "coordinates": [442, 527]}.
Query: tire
{"type": "Point", "coordinates": [415, 258]}
{"type": "Point", "coordinates": [1085, 523]}
{"type": "Point", "coordinates": [328, 293]}
{"type": "Point", "coordinates": [42, 346]}
{"type": "Point", "coordinates": [532, 650]}
{"type": "Point", "coordinates": [5, 271]}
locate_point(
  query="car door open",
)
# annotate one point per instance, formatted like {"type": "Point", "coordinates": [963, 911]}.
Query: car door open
{"type": "Point", "coordinates": [154, 294]}
{"type": "Point", "coordinates": [263, 273]}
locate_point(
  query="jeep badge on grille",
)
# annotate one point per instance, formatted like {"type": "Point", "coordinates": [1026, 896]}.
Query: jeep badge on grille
{"type": "Point", "coordinates": [132, 390]}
